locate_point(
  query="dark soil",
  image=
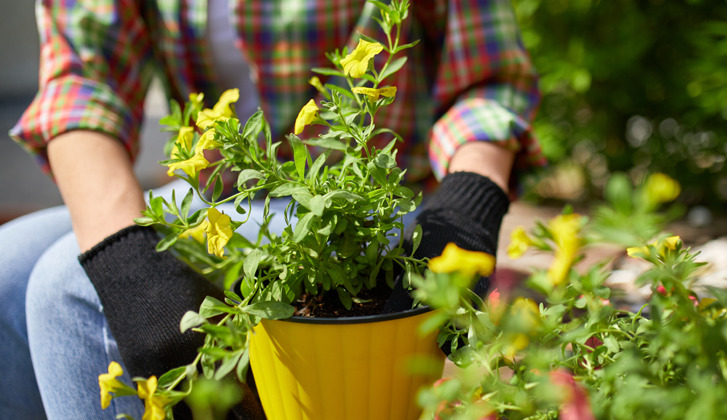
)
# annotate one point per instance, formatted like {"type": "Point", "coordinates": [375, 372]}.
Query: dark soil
{"type": "Point", "coordinates": [328, 305]}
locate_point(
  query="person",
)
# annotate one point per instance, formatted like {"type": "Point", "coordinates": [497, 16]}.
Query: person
{"type": "Point", "coordinates": [464, 107]}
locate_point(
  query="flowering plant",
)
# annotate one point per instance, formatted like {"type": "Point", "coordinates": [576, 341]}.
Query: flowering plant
{"type": "Point", "coordinates": [562, 349]}
{"type": "Point", "coordinates": [343, 220]}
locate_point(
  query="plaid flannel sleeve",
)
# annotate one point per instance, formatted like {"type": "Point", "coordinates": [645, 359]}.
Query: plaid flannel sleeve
{"type": "Point", "coordinates": [486, 87]}
{"type": "Point", "coordinates": [94, 73]}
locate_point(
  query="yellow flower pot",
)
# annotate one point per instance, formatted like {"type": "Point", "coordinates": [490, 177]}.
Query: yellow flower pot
{"type": "Point", "coordinates": [342, 368]}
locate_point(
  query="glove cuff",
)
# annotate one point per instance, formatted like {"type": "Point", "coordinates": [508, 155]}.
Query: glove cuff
{"type": "Point", "coordinates": [474, 195]}
{"type": "Point", "coordinates": [145, 294]}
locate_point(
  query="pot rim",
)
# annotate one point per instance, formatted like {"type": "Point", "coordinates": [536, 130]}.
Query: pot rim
{"type": "Point", "coordinates": [358, 319]}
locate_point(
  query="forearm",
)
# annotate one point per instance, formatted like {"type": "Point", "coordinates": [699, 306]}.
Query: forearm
{"type": "Point", "coordinates": [486, 159]}
{"type": "Point", "coordinates": [97, 183]}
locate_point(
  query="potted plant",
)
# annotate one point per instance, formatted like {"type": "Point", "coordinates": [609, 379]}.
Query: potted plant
{"type": "Point", "coordinates": [332, 265]}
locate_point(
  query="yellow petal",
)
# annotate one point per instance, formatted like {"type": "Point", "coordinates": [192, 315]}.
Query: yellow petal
{"type": "Point", "coordinates": [147, 387]}
{"type": "Point", "coordinates": [197, 232]}
{"type": "Point", "coordinates": [356, 63]}
{"type": "Point", "coordinates": [456, 259]}
{"type": "Point", "coordinates": [191, 166]}
{"type": "Point", "coordinates": [306, 116]}
{"type": "Point", "coordinates": [109, 384]}
{"type": "Point", "coordinates": [196, 99]}
{"type": "Point", "coordinates": [519, 243]}
{"type": "Point", "coordinates": [316, 82]}
{"type": "Point", "coordinates": [672, 242]}
{"type": "Point", "coordinates": [228, 97]}
{"type": "Point", "coordinates": [637, 251]}
{"type": "Point", "coordinates": [660, 188]}
{"type": "Point", "coordinates": [373, 94]}
{"type": "Point", "coordinates": [566, 232]}
{"type": "Point", "coordinates": [183, 143]}
{"type": "Point", "coordinates": [218, 231]}
{"type": "Point", "coordinates": [207, 141]}
{"type": "Point", "coordinates": [206, 118]}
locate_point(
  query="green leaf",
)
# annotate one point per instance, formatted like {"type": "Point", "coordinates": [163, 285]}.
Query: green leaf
{"type": "Point", "coordinates": [345, 297]}
{"type": "Point", "coordinates": [377, 172]}
{"type": "Point", "coordinates": [345, 92]}
{"type": "Point", "coordinates": [416, 238]}
{"type": "Point", "coordinates": [191, 319]}
{"type": "Point", "coordinates": [247, 175]}
{"type": "Point", "coordinates": [385, 161]}
{"type": "Point", "coordinates": [270, 310]}
{"type": "Point", "coordinates": [287, 189]}
{"type": "Point", "coordinates": [168, 241]}
{"type": "Point", "coordinates": [212, 307]}
{"type": "Point", "coordinates": [619, 192]}
{"type": "Point", "coordinates": [382, 6]}
{"type": "Point", "coordinates": [393, 68]}
{"type": "Point", "coordinates": [611, 343]}
{"type": "Point", "coordinates": [303, 197]}
{"type": "Point", "coordinates": [252, 260]}
{"type": "Point", "coordinates": [313, 171]}
{"type": "Point", "coordinates": [187, 203]}
{"type": "Point", "coordinates": [303, 227]}
{"type": "Point", "coordinates": [403, 192]}
{"type": "Point", "coordinates": [227, 365]}
{"type": "Point", "coordinates": [405, 46]}
{"type": "Point", "coordinates": [254, 125]}
{"type": "Point", "coordinates": [300, 154]}
{"type": "Point", "coordinates": [171, 376]}
{"type": "Point", "coordinates": [144, 221]}
{"type": "Point", "coordinates": [343, 195]}
{"type": "Point", "coordinates": [328, 143]}
{"type": "Point", "coordinates": [217, 192]}
{"type": "Point", "coordinates": [317, 205]}
{"type": "Point", "coordinates": [327, 71]}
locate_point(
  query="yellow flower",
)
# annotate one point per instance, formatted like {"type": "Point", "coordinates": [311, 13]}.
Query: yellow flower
{"type": "Point", "coordinates": [197, 232]}
{"type": "Point", "coordinates": [456, 259]}
{"type": "Point", "coordinates": [183, 142]}
{"type": "Point", "coordinates": [207, 141]}
{"type": "Point", "coordinates": [519, 243]}
{"type": "Point", "coordinates": [218, 231]}
{"type": "Point", "coordinates": [660, 188]}
{"type": "Point", "coordinates": [662, 245]}
{"type": "Point", "coordinates": [515, 343]}
{"type": "Point", "coordinates": [565, 229]}
{"type": "Point", "coordinates": [672, 242]}
{"type": "Point", "coordinates": [526, 312]}
{"type": "Point", "coordinates": [356, 63]}
{"type": "Point", "coordinates": [228, 97]}
{"type": "Point", "coordinates": [196, 99]}
{"type": "Point", "coordinates": [316, 82]}
{"type": "Point", "coordinates": [206, 118]}
{"type": "Point", "coordinates": [109, 384]}
{"type": "Point", "coordinates": [220, 112]}
{"type": "Point", "coordinates": [154, 405]}
{"type": "Point", "coordinates": [373, 94]}
{"type": "Point", "coordinates": [525, 316]}
{"type": "Point", "coordinates": [306, 116]}
{"type": "Point", "coordinates": [637, 251]}
{"type": "Point", "coordinates": [191, 166]}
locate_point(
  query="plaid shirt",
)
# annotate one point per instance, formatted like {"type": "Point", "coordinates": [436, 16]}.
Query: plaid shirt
{"type": "Point", "coordinates": [469, 79]}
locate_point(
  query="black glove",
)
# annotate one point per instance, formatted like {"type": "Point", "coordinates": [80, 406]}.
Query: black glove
{"type": "Point", "coordinates": [467, 209]}
{"type": "Point", "coordinates": [144, 294]}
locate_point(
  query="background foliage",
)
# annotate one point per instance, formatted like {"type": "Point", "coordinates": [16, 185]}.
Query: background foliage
{"type": "Point", "coordinates": [631, 86]}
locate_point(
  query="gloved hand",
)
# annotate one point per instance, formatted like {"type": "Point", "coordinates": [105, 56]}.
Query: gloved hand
{"type": "Point", "coordinates": [467, 209]}
{"type": "Point", "coordinates": [144, 294]}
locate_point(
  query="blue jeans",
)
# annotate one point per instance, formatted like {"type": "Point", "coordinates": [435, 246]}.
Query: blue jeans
{"type": "Point", "coordinates": [54, 338]}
